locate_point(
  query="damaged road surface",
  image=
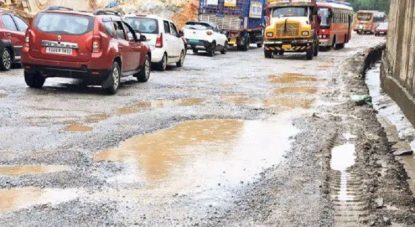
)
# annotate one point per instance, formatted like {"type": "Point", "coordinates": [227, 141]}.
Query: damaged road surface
{"type": "Point", "coordinates": [232, 140]}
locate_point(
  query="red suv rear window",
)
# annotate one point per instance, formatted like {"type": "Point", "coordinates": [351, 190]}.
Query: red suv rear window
{"type": "Point", "coordinates": [64, 24]}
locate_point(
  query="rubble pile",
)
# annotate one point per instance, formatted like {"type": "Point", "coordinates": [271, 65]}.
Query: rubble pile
{"type": "Point", "coordinates": [178, 10]}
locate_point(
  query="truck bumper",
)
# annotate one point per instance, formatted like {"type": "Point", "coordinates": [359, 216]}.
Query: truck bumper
{"type": "Point", "coordinates": [295, 45]}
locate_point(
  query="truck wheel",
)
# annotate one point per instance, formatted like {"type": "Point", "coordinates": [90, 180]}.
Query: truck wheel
{"type": "Point", "coordinates": [34, 80]}
{"type": "Point", "coordinates": [259, 45]}
{"type": "Point", "coordinates": [145, 71]}
{"type": "Point", "coordinates": [315, 53]}
{"type": "Point", "coordinates": [211, 50]}
{"type": "Point", "coordinates": [310, 53]}
{"type": "Point", "coordinates": [115, 78]}
{"type": "Point", "coordinates": [6, 59]}
{"type": "Point", "coordinates": [267, 54]}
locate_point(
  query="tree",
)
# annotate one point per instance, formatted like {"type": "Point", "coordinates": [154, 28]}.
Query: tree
{"type": "Point", "coordinates": [381, 5]}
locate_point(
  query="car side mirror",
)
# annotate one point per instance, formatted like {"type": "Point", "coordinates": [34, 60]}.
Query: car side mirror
{"type": "Point", "coordinates": [181, 33]}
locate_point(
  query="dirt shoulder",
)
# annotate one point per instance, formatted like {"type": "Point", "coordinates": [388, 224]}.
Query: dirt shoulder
{"type": "Point", "coordinates": [305, 190]}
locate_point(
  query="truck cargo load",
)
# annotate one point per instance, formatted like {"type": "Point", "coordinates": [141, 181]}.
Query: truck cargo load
{"type": "Point", "coordinates": [243, 20]}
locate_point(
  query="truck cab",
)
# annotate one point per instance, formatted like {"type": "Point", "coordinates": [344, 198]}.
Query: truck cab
{"type": "Point", "coordinates": [292, 26]}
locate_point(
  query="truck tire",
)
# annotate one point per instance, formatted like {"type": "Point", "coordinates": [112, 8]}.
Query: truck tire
{"type": "Point", "coordinates": [244, 46]}
{"type": "Point", "coordinates": [267, 54]}
{"type": "Point", "coordinates": [310, 53]}
{"type": "Point", "coordinates": [259, 45]}
{"type": "Point", "coordinates": [34, 80]}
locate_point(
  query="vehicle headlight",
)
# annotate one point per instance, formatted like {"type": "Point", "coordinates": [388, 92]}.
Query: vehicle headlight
{"type": "Point", "coordinates": [270, 34]}
{"type": "Point", "coordinates": [306, 33]}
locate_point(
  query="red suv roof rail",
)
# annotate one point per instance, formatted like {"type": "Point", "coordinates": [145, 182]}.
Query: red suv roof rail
{"type": "Point", "coordinates": [107, 12]}
{"type": "Point", "coordinates": [59, 8]}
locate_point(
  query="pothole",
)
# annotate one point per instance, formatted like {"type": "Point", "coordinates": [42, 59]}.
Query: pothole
{"type": "Point", "coordinates": [143, 105]}
{"type": "Point", "coordinates": [22, 170]}
{"type": "Point", "coordinates": [22, 198]}
{"type": "Point", "coordinates": [346, 191]}
{"type": "Point", "coordinates": [271, 102]}
{"type": "Point", "coordinates": [201, 154]}
{"type": "Point", "coordinates": [295, 90]}
{"type": "Point", "coordinates": [95, 118]}
{"type": "Point", "coordinates": [287, 78]}
{"type": "Point", "coordinates": [75, 127]}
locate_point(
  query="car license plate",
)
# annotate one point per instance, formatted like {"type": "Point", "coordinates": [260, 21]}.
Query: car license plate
{"type": "Point", "coordinates": [286, 46]}
{"type": "Point", "coordinates": [57, 50]}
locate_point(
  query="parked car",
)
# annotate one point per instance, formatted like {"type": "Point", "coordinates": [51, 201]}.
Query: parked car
{"type": "Point", "coordinates": [12, 33]}
{"type": "Point", "coordinates": [382, 29]}
{"type": "Point", "coordinates": [98, 48]}
{"type": "Point", "coordinates": [205, 36]}
{"type": "Point", "coordinates": [163, 37]}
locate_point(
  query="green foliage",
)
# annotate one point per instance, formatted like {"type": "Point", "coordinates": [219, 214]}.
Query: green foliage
{"type": "Point", "coordinates": [381, 5]}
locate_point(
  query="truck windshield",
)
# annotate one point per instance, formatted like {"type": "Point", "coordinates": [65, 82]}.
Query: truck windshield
{"type": "Point", "coordinates": [364, 16]}
{"type": "Point", "coordinates": [290, 12]}
{"type": "Point", "coordinates": [324, 14]}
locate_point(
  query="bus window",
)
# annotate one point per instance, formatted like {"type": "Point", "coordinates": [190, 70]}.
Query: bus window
{"type": "Point", "coordinates": [364, 16]}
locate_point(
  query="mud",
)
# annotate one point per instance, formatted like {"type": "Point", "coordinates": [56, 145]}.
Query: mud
{"type": "Point", "coordinates": [295, 90]}
{"type": "Point", "coordinates": [30, 170]}
{"type": "Point", "coordinates": [228, 161]}
{"type": "Point", "coordinates": [141, 106]}
{"type": "Point", "coordinates": [75, 127]}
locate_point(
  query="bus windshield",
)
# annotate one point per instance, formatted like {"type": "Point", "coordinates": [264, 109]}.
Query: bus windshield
{"type": "Point", "coordinates": [324, 14]}
{"type": "Point", "coordinates": [364, 16]}
{"type": "Point", "coordinates": [290, 12]}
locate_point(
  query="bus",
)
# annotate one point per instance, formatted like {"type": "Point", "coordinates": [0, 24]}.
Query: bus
{"type": "Point", "coordinates": [366, 21]}
{"type": "Point", "coordinates": [335, 24]}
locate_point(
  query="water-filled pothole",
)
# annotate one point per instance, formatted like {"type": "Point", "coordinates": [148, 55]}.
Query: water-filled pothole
{"type": "Point", "coordinates": [143, 105]}
{"type": "Point", "coordinates": [200, 154]}
{"type": "Point", "coordinates": [22, 170]}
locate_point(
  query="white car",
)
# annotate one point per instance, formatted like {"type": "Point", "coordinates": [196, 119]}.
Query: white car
{"type": "Point", "coordinates": [166, 43]}
{"type": "Point", "coordinates": [205, 36]}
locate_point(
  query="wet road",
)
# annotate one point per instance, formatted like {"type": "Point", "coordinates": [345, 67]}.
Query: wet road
{"type": "Point", "coordinates": [165, 152]}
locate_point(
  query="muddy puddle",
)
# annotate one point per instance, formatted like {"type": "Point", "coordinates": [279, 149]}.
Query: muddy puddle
{"type": "Point", "coordinates": [95, 118]}
{"type": "Point", "coordinates": [201, 154]}
{"type": "Point", "coordinates": [144, 105]}
{"type": "Point", "coordinates": [75, 127]}
{"type": "Point", "coordinates": [287, 78]}
{"type": "Point", "coordinates": [346, 194]}
{"type": "Point", "coordinates": [21, 198]}
{"type": "Point", "coordinates": [272, 102]}
{"type": "Point", "coordinates": [390, 115]}
{"type": "Point", "coordinates": [23, 170]}
{"type": "Point", "coordinates": [295, 90]}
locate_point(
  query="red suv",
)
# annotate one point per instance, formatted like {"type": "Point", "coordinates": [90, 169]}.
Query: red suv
{"type": "Point", "coordinates": [12, 34]}
{"type": "Point", "coordinates": [98, 48]}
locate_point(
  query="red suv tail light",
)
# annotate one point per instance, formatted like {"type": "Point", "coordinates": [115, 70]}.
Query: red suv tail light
{"type": "Point", "coordinates": [96, 44]}
{"type": "Point", "coordinates": [159, 41]}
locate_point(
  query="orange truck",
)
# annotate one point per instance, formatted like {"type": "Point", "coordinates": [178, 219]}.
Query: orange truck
{"type": "Point", "coordinates": [293, 27]}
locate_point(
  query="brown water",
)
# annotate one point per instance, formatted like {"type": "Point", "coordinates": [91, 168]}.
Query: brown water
{"type": "Point", "coordinates": [287, 78]}
{"type": "Point", "coordinates": [20, 198]}
{"type": "Point", "coordinates": [30, 170]}
{"type": "Point", "coordinates": [272, 102]}
{"type": "Point", "coordinates": [295, 90]}
{"type": "Point", "coordinates": [95, 118]}
{"type": "Point", "coordinates": [75, 127]}
{"type": "Point", "coordinates": [202, 153]}
{"type": "Point", "coordinates": [143, 105]}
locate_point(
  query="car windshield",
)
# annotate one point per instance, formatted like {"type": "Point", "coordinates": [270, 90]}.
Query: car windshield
{"type": "Point", "coordinates": [324, 14]}
{"type": "Point", "coordinates": [364, 16]}
{"type": "Point", "coordinates": [64, 23]}
{"type": "Point", "coordinates": [198, 26]}
{"type": "Point", "coordinates": [290, 12]}
{"type": "Point", "coordinates": [143, 25]}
